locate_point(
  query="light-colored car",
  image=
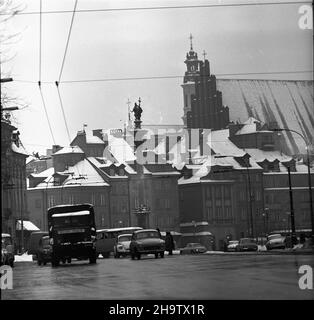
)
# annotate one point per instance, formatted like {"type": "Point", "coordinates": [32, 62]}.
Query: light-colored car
{"type": "Point", "coordinates": [232, 246]}
{"type": "Point", "coordinates": [193, 248]}
{"type": "Point", "coordinates": [247, 244]}
{"type": "Point", "coordinates": [275, 241]}
{"type": "Point", "coordinates": [122, 246]}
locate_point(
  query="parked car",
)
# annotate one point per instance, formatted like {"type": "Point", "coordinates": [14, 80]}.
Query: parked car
{"type": "Point", "coordinates": [44, 251]}
{"type": "Point", "coordinates": [122, 245]}
{"type": "Point", "coordinates": [34, 242]}
{"type": "Point", "coordinates": [192, 248]}
{"type": "Point", "coordinates": [247, 244]}
{"type": "Point", "coordinates": [232, 245]}
{"type": "Point", "coordinates": [275, 241]}
{"type": "Point", "coordinates": [146, 241]}
{"type": "Point", "coordinates": [7, 250]}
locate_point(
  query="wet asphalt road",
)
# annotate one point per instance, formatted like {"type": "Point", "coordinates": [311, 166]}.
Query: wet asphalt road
{"type": "Point", "coordinates": [174, 277]}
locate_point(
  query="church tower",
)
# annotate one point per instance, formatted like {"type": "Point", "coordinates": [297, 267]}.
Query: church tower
{"type": "Point", "coordinates": [191, 74]}
{"type": "Point", "coordinates": [203, 106]}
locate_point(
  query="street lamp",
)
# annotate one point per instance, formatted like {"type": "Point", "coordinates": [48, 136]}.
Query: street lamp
{"type": "Point", "coordinates": [308, 171]}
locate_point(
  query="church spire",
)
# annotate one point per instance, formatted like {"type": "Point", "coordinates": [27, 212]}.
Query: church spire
{"type": "Point", "coordinates": [191, 43]}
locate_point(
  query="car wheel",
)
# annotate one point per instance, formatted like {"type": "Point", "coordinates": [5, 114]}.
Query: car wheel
{"type": "Point", "coordinates": [162, 254]}
{"type": "Point", "coordinates": [156, 255]}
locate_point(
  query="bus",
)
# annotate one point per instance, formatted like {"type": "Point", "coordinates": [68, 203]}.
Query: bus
{"type": "Point", "coordinates": [106, 239]}
{"type": "Point", "coordinates": [72, 233]}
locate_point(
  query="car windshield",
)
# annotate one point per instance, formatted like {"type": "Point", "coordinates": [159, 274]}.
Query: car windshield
{"type": "Point", "coordinates": [147, 234]}
{"type": "Point", "coordinates": [274, 236]}
{"type": "Point", "coordinates": [247, 240]}
{"type": "Point", "coordinates": [194, 245]}
{"type": "Point", "coordinates": [71, 221]}
{"type": "Point", "coordinates": [124, 238]}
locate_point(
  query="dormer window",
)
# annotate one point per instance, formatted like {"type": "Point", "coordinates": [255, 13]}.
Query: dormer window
{"type": "Point", "coordinates": [112, 172]}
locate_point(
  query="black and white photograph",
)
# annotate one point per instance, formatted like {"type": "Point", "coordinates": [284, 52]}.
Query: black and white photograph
{"type": "Point", "coordinates": [157, 150]}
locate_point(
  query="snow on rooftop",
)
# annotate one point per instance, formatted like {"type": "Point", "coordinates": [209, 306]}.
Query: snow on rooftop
{"type": "Point", "coordinates": [71, 149]}
{"type": "Point", "coordinates": [27, 225]}
{"type": "Point", "coordinates": [81, 174]}
{"type": "Point", "coordinates": [219, 142]}
{"type": "Point", "coordinates": [260, 155]}
{"type": "Point", "coordinates": [18, 149]}
{"type": "Point", "coordinates": [90, 139]}
{"type": "Point", "coordinates": [288, 103]}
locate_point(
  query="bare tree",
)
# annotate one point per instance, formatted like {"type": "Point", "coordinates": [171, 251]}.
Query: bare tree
{"type": "Point", "coordinates": [8, 11]}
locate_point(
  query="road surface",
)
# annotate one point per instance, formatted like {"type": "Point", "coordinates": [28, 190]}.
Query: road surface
{"type": "Point", "coordinates": [173, 277]}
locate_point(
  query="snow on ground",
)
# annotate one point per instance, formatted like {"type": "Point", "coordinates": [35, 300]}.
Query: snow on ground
{"type": "Point", "coordinates": [23, 258]}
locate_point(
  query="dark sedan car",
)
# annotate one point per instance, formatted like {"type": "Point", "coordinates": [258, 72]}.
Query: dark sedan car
{"type": "Point", "coordinates": [247, 244]}
{"type": "Point", "coordinates": [146, 241]}
{"type": "Point", "coordinates": [192, 248]}
{"type": "Point", "coordinates": [44, 251]}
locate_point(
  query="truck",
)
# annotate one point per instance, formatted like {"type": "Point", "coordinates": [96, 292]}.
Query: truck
{"type": "Point", "coordinates": [72, 233]}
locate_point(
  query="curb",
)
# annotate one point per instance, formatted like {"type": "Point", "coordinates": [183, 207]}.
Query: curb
{"type": "Point", "coordinates": [261, 253]}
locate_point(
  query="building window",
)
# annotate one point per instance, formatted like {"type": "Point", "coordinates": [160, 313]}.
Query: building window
{"type": "Point", "coordinates": [71, 199]}
{"type": "Point", "coordinates": [228, 212]}
{"type": "Point", "coordinates": [93, 198]}
{"type": "Point", "coordinates": [257, 195]}
{"type": "Point", "coordinates": [102, 199]}
{"type": "Point", "coordinates": [51, 201]}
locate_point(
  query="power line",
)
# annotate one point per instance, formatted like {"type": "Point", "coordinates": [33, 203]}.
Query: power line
{"type": "Point", "coordinates": [63, 113]}
{"type": "Point", "coordinates": [174, 76]}
{"type": "Point", "coordinates": [47, 116]}
{"type": "Point", "coordinates": [40, 36]}
{"type": "Point", "coordinates": [170, 77]}
{"type": "Point", "coordinates": [68, 40]}
{"type": "Point", "coordinates": [166, 7]}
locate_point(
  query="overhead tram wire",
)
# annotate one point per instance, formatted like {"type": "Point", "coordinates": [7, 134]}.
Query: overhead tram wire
{"type": "Point", "coordinates": [175, 77]}
{"type": "Point", "coordinates": [168, 7]}
{"type": "Point", "coordinates": [68, 40]}
{"type": "Point", "coordinates": [61, 70]}
{"type": "Point", "coordinates": [39, 75]}
{"type": "Point", "coordinates": [172, 77]}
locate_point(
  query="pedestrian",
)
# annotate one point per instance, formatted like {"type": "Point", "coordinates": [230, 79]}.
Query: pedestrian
{"type": "Point", "coordinates": [159, 232]}
{"type": "Point", "coordinates": [169, 242]}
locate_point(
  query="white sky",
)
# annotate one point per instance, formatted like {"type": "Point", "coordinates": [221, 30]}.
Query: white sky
{"type": "Point", "coordinates": [143, 43]}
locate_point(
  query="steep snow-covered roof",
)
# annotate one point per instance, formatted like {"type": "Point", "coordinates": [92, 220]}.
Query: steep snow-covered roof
{"type": "Point", "coordinates": [289, 103]}
{"type": "Point", "coordinates": [81, 174]}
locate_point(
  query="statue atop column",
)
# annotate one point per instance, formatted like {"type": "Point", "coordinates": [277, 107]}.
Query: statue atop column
{"type": "Point", "coordinates": [137, 110]}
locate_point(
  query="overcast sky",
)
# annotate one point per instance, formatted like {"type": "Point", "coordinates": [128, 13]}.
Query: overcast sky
{"type": "Point", "coordinates": [140, 43]}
